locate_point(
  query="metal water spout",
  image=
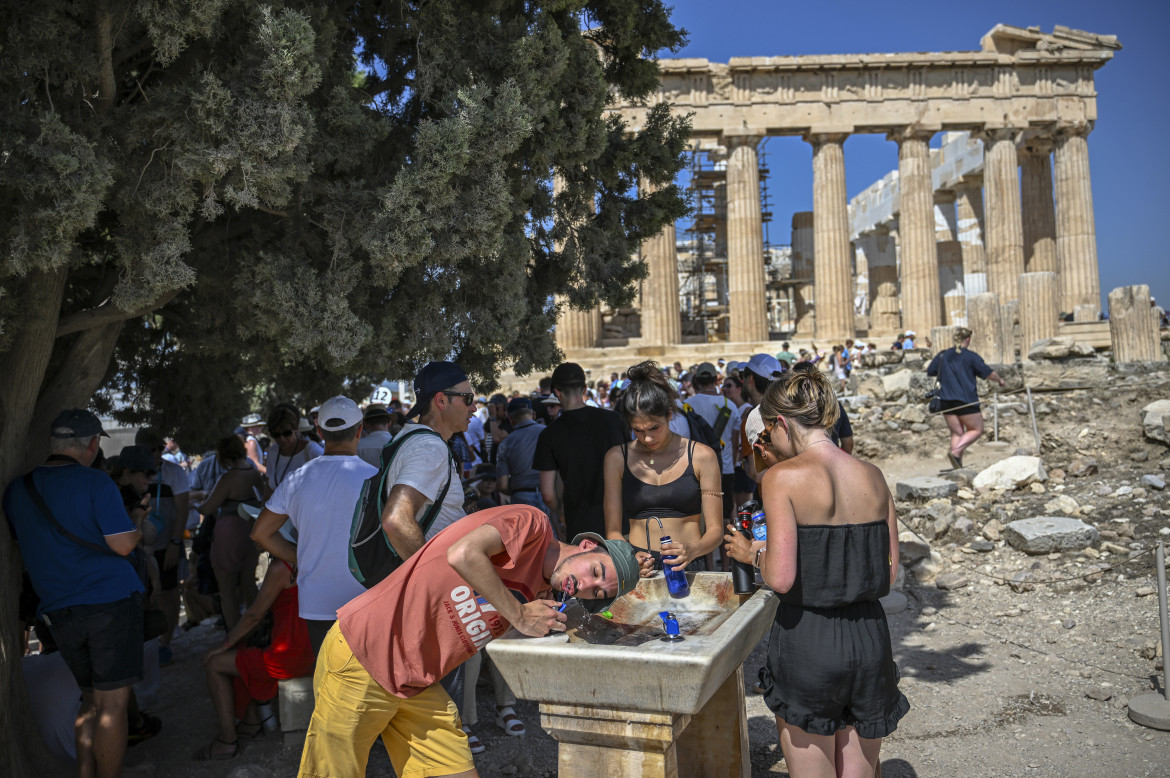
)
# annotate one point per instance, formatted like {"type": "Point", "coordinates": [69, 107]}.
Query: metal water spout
{"type": "Point", "coordinates": [661, 531]}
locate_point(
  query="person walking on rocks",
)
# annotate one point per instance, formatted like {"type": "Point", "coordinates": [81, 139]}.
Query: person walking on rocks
{"type": "Point", "coordinates": [830, 555]}
{"type": "Point", "coordinates": [956, 369]}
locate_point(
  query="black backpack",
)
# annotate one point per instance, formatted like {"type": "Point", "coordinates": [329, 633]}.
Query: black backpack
{"type": "Point", "coordinates": [371, 557]}
{"type": "Point", "coordinates": [699, 429]}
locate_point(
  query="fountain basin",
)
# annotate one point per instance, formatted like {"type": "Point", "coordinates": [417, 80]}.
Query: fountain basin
{"type": "Point", "coordinates": [622, 663]}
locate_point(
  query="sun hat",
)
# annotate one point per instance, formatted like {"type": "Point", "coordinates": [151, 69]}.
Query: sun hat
{"type": "Point", "coordinates": [252, 420]}
{"type": "Point", "coordinates": [625, 564]}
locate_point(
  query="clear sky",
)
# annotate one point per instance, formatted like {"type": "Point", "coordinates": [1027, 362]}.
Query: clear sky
{"type": "Point", "coordinates": [1129, 151]}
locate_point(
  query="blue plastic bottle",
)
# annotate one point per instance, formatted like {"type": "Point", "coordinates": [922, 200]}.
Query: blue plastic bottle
{"type": "Point", "coordinates": [676, 581]}
{"type": "Point", "coordinates": [759, 525]}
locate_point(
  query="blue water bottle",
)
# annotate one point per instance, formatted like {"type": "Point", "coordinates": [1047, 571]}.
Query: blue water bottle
{"type": "Point", "coordinates": [759, 525]}
{"type": "Point", "coordinates": [676, 581]}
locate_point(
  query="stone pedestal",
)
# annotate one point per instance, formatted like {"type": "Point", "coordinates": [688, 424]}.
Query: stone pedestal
{"type": "Point", "coordinates": [969, 221]}
{"type": "Point", "coordinates": [921, 301]}
{"type": "Point", "coordinates": [1133, 329]}
{"type": "Point", "coordinates": [661, 325]}
{"type": "Point", "coordinates": [983, 318]}
{"type": "Point", "coordinates": [1038, 309]}
{"type": "Point", "coordinates": [1005, 233]}
{"type": "Point", "coordinates": [1076, 232]}
{"type": "Point", "coordinates": [602, 742]}
{"type": "Point", "coordinates": [1038, 213]}
{"type": "Point", "coordinates": [747, 304]}
{"type": "Point", "coordinates": [832, 266]}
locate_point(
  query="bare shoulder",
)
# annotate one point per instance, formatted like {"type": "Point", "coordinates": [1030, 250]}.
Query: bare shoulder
{"type": "Point", "coordinates": [704, 453]}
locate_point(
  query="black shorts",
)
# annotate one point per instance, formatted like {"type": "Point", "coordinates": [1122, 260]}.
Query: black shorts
{"type": "Point", "coordinates": [101, 644]}
{"type": "Point", "coordinates": [168, 578]}
{"type": "Point", "coordinates": [742, 482]}
{"type": "Point", "coordinates": [958, 408]}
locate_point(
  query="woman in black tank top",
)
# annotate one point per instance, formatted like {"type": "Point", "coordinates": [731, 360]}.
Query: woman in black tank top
{"type": "Point", "coordinates": [661, 475]}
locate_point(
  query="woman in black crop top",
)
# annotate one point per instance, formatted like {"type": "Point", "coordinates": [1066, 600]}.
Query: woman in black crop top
{"type": "Point", "coordinates": [831, 554]}
{"type": "Point", "coordinates": [661, 474]}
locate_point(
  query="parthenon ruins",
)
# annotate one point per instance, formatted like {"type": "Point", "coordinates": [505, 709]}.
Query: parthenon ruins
{"type": "Point", "coordinates": [1006, 193]}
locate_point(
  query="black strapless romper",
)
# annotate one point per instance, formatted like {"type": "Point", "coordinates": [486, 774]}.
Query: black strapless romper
{"type": "Point", "coordinates": [830, 664]}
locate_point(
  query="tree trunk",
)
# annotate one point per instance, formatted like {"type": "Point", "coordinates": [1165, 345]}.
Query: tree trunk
{"type": "Point", "coordinates": [23, 367]}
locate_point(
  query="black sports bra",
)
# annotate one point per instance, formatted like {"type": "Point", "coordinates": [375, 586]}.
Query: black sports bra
{"type": "Point", "coordinates": [677, 499]}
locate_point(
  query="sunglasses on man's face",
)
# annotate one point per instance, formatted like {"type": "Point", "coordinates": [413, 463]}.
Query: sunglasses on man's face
{"type": "Point", "coordinates": [468, 397]}
{"type": "Point", "coordinates": [284, 434]}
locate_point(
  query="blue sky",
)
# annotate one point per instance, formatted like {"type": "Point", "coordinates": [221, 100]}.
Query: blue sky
{"type": "Point", "coordinates": [1129, 152]}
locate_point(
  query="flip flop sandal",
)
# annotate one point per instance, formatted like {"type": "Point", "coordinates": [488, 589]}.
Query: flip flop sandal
{"type": "Point", "coordinates": [207, 753]}
{"type": "Point", "coordinates": [507, 720]}
{"type": "Point", "coordinates": [474, 743]}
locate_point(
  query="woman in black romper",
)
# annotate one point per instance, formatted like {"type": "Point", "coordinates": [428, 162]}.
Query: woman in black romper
{"type": "Point", "coordinates": [831, 553]}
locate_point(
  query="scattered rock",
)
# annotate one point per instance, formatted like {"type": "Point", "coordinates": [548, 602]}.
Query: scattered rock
{"type": "Point", "coordinates": [1123, 491]}
{"type": "Point", "coordinates": [992, 529]}
{"type": "Point", "coordinates": [1083, 467]}
{"type": "Point", "coordinates": [965, 494]}
{"type": "Point", "coordinates": [962, 527]}
{"type": "Point", "coordinates": [913, 414]}
{"type": "Point", "coordinates": [1037, 488]}
{"type": "Point", "coordinates": [1140, 456]}
{"type": "Point", "coordinates": [1091, 552]}
{"type": "Point", "coordinates": [1056, 475]}
{"type": "Point", "coordinates": [982, 546]}
{"type": "Point", "coordinates": [1011, 473]}
{"type": "Point", "coordinates": [925, 488]}
{"type": "Point", "coordinates": [1045, 534]}
{"type": "Point", "coordinates": [1113, 548]}
{"type": "Point", "coordinates": [926, 570]}
{"type": "Point", "coordinates": [896, 384]}
{"type": "Point", "coordinates": [1068, 623]}
{"type": "Point", "coordinates": [1144, 591]}
{"type": "Point", "coordinates": [1156, 421]}
{"type": "Point", "coordinates": [1062, 504]}
{"type": "Point", "coordinates": [1052, 348]}
{"type": "Point", "coordinates": [1022, 582]}
{"type": "Point", "coordinates": [951, 581]}
{"type": "Point", "coordinates": [919, 427]}
{"type": "Point", "coordinates": [1155, 482]}
{"type": "Point", "coordinates": [960, 475]}
{"type": "Point", "coordinates": [911, 549]}
{"type": "Point", "coordinates": [1099, 694]}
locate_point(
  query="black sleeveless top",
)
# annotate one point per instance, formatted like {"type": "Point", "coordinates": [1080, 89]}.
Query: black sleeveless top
{"type": "Point", "coordinates": [840, 564]}
{"type": "Point", "coordinates": [677, 499]}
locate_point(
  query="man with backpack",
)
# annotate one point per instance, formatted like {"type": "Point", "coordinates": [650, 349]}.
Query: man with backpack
{"type": "Point", "coordinates": [318, 499]}
{"type": "Point", "coordinates": [74, 534]}
{"type": "Point", "coordinates": [723, 416]}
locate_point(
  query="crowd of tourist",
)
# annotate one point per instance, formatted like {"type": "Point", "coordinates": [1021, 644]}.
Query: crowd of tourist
{"type": "Point", "coordinates": [491, 510]}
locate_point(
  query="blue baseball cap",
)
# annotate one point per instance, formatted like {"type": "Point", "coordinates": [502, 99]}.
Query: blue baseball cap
{"type": "Point", "coordinates": [77, 423]}
{"type": "Point", "coordinates": [518, 404]}
{"type": "Point", "coordinates": [432, 379]}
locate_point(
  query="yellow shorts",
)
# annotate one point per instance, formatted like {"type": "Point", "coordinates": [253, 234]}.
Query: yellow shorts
{"type": "Point", "coordinates": [422, 734]}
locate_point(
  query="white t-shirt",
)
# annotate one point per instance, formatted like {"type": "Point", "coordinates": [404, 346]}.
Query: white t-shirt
{"type": "Point", "coordinates": [281, 467]}
{"type": "Point", "coordinates": [424, 463]}
{"type": "Point", "coordinates": [370, 446]}
{"type": "Point", "coordinates": [319, 499]}
{"type": "Point", "coordinates": [474, 438]}
{"type": "Point", "coordinates": [708, 406]}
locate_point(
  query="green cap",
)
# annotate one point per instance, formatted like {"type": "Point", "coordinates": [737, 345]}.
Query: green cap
{"type": "Point", "coordinates": [625, 562]}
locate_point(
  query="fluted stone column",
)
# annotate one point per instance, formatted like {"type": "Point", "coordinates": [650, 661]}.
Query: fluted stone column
{"type": "Point", "coordinates": [1038, 309]}
{"type": "Point", "coordinates": [746, 299]}
{"type": "Point", "coordinates": [1076, 232]}
{"type": "Point", "coordinates": [803, 254]}
{"type": "Point", "coordinates": [921, 300]}
{"type": "Point", "coordinates": [832, 266]}
{"type": "Point", "coordinates": [950, 282]}
{"type": "Point", "coordinates": [1036, 202]}
{"type": "Point", "coordinates": [945, 223]}
{"type": "Point", "coordinates": [1005, 231]}
{"type": "Point", "coordinates": [986, 325]}
{"type": "Point", "coordinates": [661, 325]}
{"type": "Point", "coordinates": [969, 224]}
{"type": "Point", "coordinates": [578, 329]}
{"type": "Point", "coordinates": [1009, 314]}
{"type": "Point", "coordinates": [1133, 329]}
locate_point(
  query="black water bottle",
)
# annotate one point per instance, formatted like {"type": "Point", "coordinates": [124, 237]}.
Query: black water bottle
{"type": "Point", "coordinates": [743, 575]}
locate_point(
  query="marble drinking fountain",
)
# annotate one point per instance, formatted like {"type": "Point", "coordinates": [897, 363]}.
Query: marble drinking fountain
{"type": "Point", "coordinates": [621, 700]}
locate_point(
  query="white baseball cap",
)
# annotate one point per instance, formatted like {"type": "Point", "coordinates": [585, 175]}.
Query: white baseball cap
{"type": "Point", "coordinates": [339, 413]}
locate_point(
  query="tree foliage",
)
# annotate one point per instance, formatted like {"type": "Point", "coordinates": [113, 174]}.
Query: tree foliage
{"type": "Point", "coordinates": [208, 202]}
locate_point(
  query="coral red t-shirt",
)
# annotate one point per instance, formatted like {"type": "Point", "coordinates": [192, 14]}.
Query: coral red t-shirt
{"type": "Point", "coordinates": [423, 620]}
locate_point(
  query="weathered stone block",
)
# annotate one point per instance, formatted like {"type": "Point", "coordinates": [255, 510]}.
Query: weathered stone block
{"type": "Point", "coordinates": [897, 384]}
{"type": "Point", "coordinates": [1156, 421]}
{"type": "Point", "coordinates": [1011, 473]}
{"type": "Point", "coordinates": [915, 414]}
{"type": "Point", "coordinates": [925, 488]}
{"type": "Point", "coordinates": [1051, 348]}
{"type": "Point", "coordinates": [911, 549]}
{"type": "Point", "coordinates": [1045, 534]}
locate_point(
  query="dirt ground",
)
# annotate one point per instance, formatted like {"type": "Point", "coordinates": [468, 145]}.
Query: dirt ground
{"type": "Point", "coordinates": [1001, 682]}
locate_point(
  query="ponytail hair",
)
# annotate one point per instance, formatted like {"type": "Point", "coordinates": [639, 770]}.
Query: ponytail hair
{"type": "Point", "coordinates": [804, 396]}
{"type": "Point", "coordinates": [647, 394]}
{"type": "Point", "coordinates": [961, 334]}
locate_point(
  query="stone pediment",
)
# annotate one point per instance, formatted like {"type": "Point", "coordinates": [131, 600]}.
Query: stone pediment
{"type": "Point", "coordinates": [1006, 39]}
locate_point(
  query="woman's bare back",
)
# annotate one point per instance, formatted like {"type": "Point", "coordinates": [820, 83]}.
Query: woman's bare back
{"type": "Point", "coordinates": [827, 486]}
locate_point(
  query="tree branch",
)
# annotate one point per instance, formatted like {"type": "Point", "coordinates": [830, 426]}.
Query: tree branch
{"type": "Point", "coordinates": [107, 84]}
{"type": "Point", "coordinates": [107, 313]}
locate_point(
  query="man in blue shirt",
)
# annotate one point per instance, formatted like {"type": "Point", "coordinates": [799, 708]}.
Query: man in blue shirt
{"type": "Point", "coordinates": [518, 478]}
{"type": "Point", "coordinates": [91, 596]}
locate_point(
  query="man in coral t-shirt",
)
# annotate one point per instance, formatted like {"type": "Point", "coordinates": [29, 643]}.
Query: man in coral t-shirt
{"type": "Point", "coordinates": [379, 668]}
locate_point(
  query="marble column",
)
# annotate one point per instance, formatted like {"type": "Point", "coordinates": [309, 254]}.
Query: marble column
{"type": "Point", "coordinates": [803, 259]}
{"type": "Point", "coordinates": [1076, 233]}
{"type": "Point", "coordinates": [747, 303]}
{"type": "Point", "coordinates": [885, 315]}
{"type": "Point", "coordinates": [577, 329]}
{"type": "Point", "coordinates": [1005, 231]}
{"type": "Point", "coordinates": [921, 301]}
{"type": "Point", "coordinates": [1036, 203]}
{"type": "Point", "coordinates": [832, 262]}
{"type": "Point", "coordinates": [1038, 314]}
{"type": "Point", "coordinates": [660, 315]}
{"type": "Point", "coordinates": [945, 226]}
{"type": "Point", "coordinates": [969, 225]}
